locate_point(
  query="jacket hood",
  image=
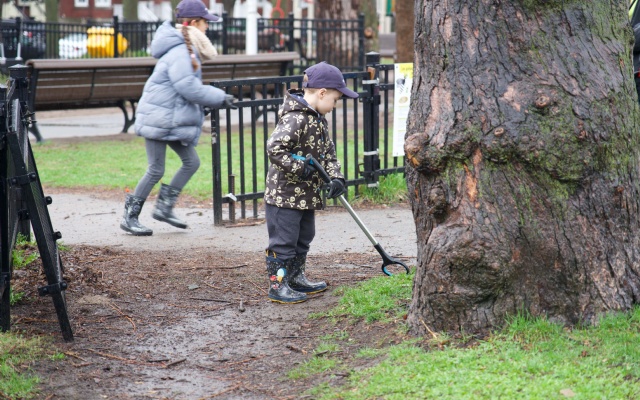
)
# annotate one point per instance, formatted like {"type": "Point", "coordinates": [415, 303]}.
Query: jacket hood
{"type": "Point", "coordinates": [294, 102]}
{"type": "Point", "coordinates": [166, 38]}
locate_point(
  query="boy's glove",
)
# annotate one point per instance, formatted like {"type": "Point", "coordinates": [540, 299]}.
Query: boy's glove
{"type": "Point", "coordinates": [207, 110]}
{"type": "Point", "coordinates": [336, 189]}
{"type": "Point", "coordinates": [229, 102]}
{"type": "Point", "coordinates": [308, 169]}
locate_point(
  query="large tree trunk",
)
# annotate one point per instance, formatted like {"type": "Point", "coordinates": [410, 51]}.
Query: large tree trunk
{"type": "Point", "coordinates": [522, 149]}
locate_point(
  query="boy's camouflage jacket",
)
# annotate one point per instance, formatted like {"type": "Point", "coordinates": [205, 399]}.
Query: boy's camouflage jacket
{"type": "Point", "coordinates": [300, 131]}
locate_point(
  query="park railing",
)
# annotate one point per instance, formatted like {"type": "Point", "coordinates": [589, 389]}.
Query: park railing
{"type": "Point", "coordinates": [361, 129]}
{"type": "Point", "coordinates": [339, 42]}
{"type": "Point", "coordinates": [22, 202]}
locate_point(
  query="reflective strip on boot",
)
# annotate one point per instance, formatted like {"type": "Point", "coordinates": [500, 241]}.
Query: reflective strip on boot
{"type": "Point", "coordinates": [299, 281]}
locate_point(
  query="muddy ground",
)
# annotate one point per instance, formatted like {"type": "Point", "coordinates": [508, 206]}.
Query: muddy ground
{"type": "Point", "coordinates": [193, 324]}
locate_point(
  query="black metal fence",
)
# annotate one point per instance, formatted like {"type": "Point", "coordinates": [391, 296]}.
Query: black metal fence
{"type": "Point", "coordinates": [340, 42]}
{"type": "Point", "coordinates": [361, 129]}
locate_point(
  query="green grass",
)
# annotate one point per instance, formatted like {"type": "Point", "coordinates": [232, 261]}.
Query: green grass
{"type": "Point", "coordinates": [24, 252]}
{"type": "Point", "coordinates": [530, 358]}
{"type": "Point", "coordinates": [118, 165]}
{"type": "Point", "coordinates": [16, 354]}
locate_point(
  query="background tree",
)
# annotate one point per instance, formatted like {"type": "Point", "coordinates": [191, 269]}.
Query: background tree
{"type": "Point", "coordinates": [330, 45]}
{"type": "Point", "coordinates": [522, 151]}
{"type": "Point", "coordinates": [174, 4]}
{"type": "Point", "coordinates": [404, 30]}
{"type": "Point", "coordinates": [130, 10]}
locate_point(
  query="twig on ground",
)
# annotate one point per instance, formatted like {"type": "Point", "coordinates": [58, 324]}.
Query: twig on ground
{"type": "Point", "coordinates": [231, 389]}
{"type": "Point", "coordinates": [296, 349]}
{"type": "Point", "coordinates": [245, 361]}
{"type": "Point", "coordinates": [216, 300]}
{"type": "Point", "coordinates": [234, 267]}
{"type": "Point", "coordinates": [257, 287]}
{"type": "Point", "coordinates": [74, 355]}
{"type": "Point", "coordinates": [107, 355]}
{"type": "Point", "coordinates": [115, 307]}
{"type": "Point", "coordinates": [435, 336]}
{"type": "Point", "coordinates": [171, 364]}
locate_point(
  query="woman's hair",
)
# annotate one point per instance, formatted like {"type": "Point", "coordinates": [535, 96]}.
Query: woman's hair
{"type": "Point", "coordinates": [187, 40]}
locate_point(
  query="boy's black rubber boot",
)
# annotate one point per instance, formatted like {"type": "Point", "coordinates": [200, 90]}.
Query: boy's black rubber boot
{"type": "Point", "coordinates": [299, 282]}
{"type": "Point", "coordinates": [132, 207]}
{"type": "Point", "coordinates": [279, 290]}
{"type": "Point", "coordinates": [164, 206]}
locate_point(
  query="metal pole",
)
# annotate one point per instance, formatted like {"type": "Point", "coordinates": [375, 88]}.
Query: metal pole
{"type": "Point", "coordinates": [251, 42]}
{"type": "Point", "coordinates": [116, 29]}
{"type": "Point", "coordinates": [371, 124]}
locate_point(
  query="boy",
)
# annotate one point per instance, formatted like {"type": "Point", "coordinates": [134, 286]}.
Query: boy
{"type": "Point", "coordinates": [293, 187]}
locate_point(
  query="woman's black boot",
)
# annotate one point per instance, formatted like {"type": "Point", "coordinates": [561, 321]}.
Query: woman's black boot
{"type": "Point", "coordinates": [164, 206]}
{"type": "Point", "coordinates": [298, 281]}
{"type": "Point", "coordinates": [132, 207]}
{"type": "Point", "coordinates": [279, 290]}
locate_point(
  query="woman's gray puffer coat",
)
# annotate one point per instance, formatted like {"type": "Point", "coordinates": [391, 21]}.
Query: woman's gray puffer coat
{"type": "Point", "coordinates": [171, 106]}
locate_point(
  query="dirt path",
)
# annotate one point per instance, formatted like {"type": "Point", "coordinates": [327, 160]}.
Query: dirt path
{"type": "Point", "coordinates": [185, 315]}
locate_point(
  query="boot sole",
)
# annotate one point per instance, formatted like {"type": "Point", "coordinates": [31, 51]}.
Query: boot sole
{"type": "Point", "coordinates": [314, 292]}
{"type": "Point", "coordinates": [181, 226]}
{"type": "Point", "coordinates": [286, 302]}
{"type": "Point", "coordinates": [134, 233]}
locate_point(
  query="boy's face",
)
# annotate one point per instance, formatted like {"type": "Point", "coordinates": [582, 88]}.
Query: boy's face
{"type": "Point", "coordinates": [326, 100]}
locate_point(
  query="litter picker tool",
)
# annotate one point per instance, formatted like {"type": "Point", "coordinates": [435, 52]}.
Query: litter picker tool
{"type": "Point", "coordinates": [387, 260]}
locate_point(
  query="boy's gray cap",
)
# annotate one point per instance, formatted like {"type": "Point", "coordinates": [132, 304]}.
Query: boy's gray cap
{"type": "Point", "coordinates": [195, 9]}
{"type": "Point", "coordinates": [324, 75]}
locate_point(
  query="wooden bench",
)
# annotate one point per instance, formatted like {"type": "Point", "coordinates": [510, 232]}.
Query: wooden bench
{"type": "Point", "coordinates": [114, 82]}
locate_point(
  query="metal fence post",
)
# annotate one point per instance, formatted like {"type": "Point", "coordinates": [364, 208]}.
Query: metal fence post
{"type": "Point", "coordinates": [116, 30]}
{"type": "Point", "coordinates": [5, 230]}
{"type": "Point", "coordinates": [18, 78]}
{"type": "Point", "coordinates": [216, 165]}
{"type": "Point", "coordinates": [371, 110]}
{"type": "Point", "coordinates": [225, 37]}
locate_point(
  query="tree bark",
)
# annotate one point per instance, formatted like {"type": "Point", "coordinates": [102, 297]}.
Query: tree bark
{"type": "Point", "coordinates": [522, 150]}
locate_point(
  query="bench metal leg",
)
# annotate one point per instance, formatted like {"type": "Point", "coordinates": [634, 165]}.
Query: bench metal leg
{"type": "Point", "coordinates": [128, 121]}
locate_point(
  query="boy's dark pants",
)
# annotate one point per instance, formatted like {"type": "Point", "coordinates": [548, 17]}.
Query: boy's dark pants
{"type": "Point", "coordinates": [290, 231]}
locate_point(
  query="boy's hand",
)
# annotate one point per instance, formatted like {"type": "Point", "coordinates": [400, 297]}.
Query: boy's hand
{"type": "Point", "coordinates": [308, 169]}
{"type": "Point", "coordinates": [336, 189]}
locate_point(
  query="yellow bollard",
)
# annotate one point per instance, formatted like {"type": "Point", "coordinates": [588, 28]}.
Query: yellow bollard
{"type": "Point", "coordinates": [100, 42]}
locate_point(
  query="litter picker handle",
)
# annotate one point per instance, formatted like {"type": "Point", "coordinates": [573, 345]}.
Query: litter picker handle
{"type": "Point", "coordinates": [386, 258]}
{"type": "Point", "coordinates": [318, 167]}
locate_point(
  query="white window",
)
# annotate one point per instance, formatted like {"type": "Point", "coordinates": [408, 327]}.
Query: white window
{"type": "Point", "coordinates": [103, 3]}
{"type": "Point", "coordinates": [81, 3]}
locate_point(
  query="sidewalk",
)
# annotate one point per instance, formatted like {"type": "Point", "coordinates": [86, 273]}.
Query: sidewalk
{"type": "Point", "coordinates": [83, 219]}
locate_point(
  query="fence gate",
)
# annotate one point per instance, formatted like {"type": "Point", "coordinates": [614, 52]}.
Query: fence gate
{"type": "Point", "coordinates": [238, 137]}
{"type": "Point", "coordinates": [20, 185]}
